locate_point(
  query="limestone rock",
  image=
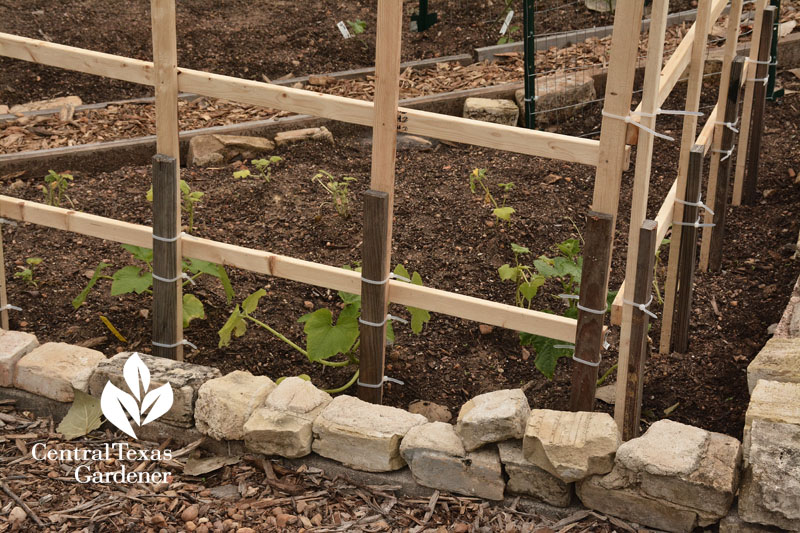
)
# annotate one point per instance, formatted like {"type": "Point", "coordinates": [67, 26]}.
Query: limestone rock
{"type": "Point", "coordinates": [525, 477]}
{"type": "Point", "coordinates": [306, 134]}
{"type": "Point", "coordinates": [209, 150]}
{"type": "Point", "coordinates": [770, 491]}
{"type": "Point", "coordinates": [772, 401]}
{"type": "Point", "coordinates": [778, 360]}
{"type": "Point", "coordinates": [284, 425]}
{"type": "Point", "coordinates": [54, 368]}
{"type": "Point", "coordinates": [571, 446]}
{"type": "Point", "coordinates": [185, 380]}
{"type": "Point", "coordinates": [13, 345]}
{"type": "Point", "coordinates": [53, 103]}
{"type": "Point", "coordinates": [489, 110]}
{"type": "Point", "coordinates": [432, 411]}
{"type": "Point", "coordinates": [406, 142]}
{"type": "Point", "coordinates": [225, 404]}
{"type": "Point", "coordinates": [560, 96]}
{"type": "Point", "coordinates": [675, 477]}
{"type": "Point", "coordinates": [362, 435]}
{"type": "Point", "coordinates": [493, 417]}
{"type": "Point", "coordinates": [438, 460]}
{"type": "Point", "coordinates": [794, 324]}
{"type": "Point", "coordinates": [734, 524]}
{"type": "Point", "coordinates": [3, 110]}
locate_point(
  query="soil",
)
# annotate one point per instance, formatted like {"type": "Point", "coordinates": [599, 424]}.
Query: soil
{"type": "Point", "coordinates": [253, 39]}
{"type": "Point", "coordinates": [457, 248]}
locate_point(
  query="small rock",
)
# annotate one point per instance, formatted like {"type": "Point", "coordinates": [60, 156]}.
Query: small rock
{"type": "Point", "coordinates": [772, 329]}
{"type": "Point", "coordinates": [308, 305]}
{"type": "Point", "coordinates": [321, 81]}
{"type": "Point", "coordinates": [190, 513]}
{"type": "Point", "coordinates": [54, 368]}
{"type": "Point", "coordinates": [413, 142]}
{"type": "Point", "coordinates": [307, 134]}
{"type": "Point", "coordinates": [17, 515]}
{"type": "Point", "coordinates": [282, 520]}
{"type": "Point", "coordinates": [4, 110]}
{"type": "Point", "coordinates": [493, 417]}
{"type": "Point", "coordinates": [792, 173]}
{"type": "Point", "coordinates": [485, 329]}
{"type": "Point", "coordinates": [432, 411]}
{"type": "Point", "coordinates": [461, 527]}
{"type": "Point", "coordinates": [210, 150]}
{"type": "Point", "coordinates": [225, 492]}
{"type": "Point", "coordinates": [245, 530]}
{"type": "Point", "coordinates": [503, 112]}
{"type": "Point", "coordinates": [17, 185]}
{"type": "Point", "coordinates": [224, 404]}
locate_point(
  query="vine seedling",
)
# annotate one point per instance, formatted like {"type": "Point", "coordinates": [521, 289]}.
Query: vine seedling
{"type": "Point", "coordinates": [338, 189]}
{"type": "Point", "coordinates": [189, 199]}
{"type": "Point", "coordinates": [262, 166]}
{"type": "Point", "coordinates": [26, 273]}
{"type": "Point", "coordinates": [478, 179]}
{"type": "Point", "coordinates": [527, 281]}
{"type": "Point", "coordinates": [357, 28]}
{"type": "Point", "coordinates": [55, 187]}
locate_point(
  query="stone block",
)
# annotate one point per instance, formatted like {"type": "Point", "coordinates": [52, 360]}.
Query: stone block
{"type": "Point", "coordinates": [54, 368]}
{"type": "Point", "coordinates": [284, 425]}
{"type": "Point", "coordinates": [560, 96]}
{"type": "Point", "coordinates": [525, 477]}
{"type": "Point", "coordinates": [224, 404]}
{"type": "Point", "coordinates": [13, 345]}
{"type": "Point", "coordinates": [53, 103]}
{"type": "Point", "coordinates": [438, 460]}
{"type": "Point", "coordinates": [770, 491]}
{"type": "Point", "coordinates": [304, 135]}
{"type": "Point", "coordinates": [493, 417]}
{"type": "Point", "coordinates": [571, 446]}
{"type": "Point", "coordinates": [362, 435]}
{"type": "Point", "coordinates": [734, 524]}
{"type": "Point", "coordinates": [772, 401]}
{"type": "Point", "coordinates": [489, 110]}
{"type": "Point", "coordinates": [778, 360]}
{"type": "Point", "coordinates": [209, 150]}
{"type": "Point", "coordinates": [184, 378]}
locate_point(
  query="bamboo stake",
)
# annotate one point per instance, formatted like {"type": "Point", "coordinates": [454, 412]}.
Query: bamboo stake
{"type": "Point", "coordinates": [641, 187]}
{"type": "Point", "coordinates": [165, 61]}
{"type": "Point", "coordinates": [693, 91]}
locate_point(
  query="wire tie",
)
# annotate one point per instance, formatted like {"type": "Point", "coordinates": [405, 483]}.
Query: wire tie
{"type": "Point", "coordinates": [770, 61]}
{"type": "Point", "coordinates": [578, 359]}
{"type": "Point", "coordinates": [392, 275]}
{"type": "Point", "coordinates": [379, 385]}
{"type": "Point", "coordinates": [763, 80]}
{"type": "Point", "coordinates": [698, 203]}
{"type": "Point", "coordinates": [169, 239]}
{"type": "Point", "coordinates": [380, 324]}
{"type": "Point", "coordinates": [642, 307]}
{"type": "Point", "coordinates": [184, 275]}
{"type": "Point", "coordinates": [730, 125]}
{"type": "Point", "coordinates": [727, 153]}
{"type": "Point", "coordinates": [627, 119]}
{"type": "Point", "coordinates": [9, 306]}
{"type": "Point", "coordinates": [695, 224]}
{"type": "Point", "coordinates": [587, 363]}
{"type": "Point", "coordinates": [582, 308]}
{"type": "Point", "coordinates": [175, 345]}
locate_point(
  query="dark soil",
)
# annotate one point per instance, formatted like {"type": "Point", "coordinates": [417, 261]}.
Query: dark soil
{"type": "Point", "coordinates": [247, 39]}
{"type": "Point", "coordinates": [444, 232]}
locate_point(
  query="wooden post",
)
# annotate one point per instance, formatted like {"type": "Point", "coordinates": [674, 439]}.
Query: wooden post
{"type": "Point", "coordinates": [589, 336]}
{"type": "Point", "coordinates": [747, 106]}
{"type": "Point", "coordinates": [688, 250]}
{"type": "Point", "coordinates": [711, 251]}
{"type": "Point", "coordinates": [641, 187]}
{"type": "Point", "coordinates": [373, 297]}
{"type": "Point", "coordinates": [165, 61]}
{"type": "Point", "coordinates": [688, 134]}
{"type": "Point", "coordinates": [719, 130]}
{"type": "Point", "coordinates": [166, 204]}
{"type": "Point", "coordinates": [632, 374]}
{"type": "Point", "coordinates": [749, 190]}
{"type": "Point", "coordinates": [384, 151]}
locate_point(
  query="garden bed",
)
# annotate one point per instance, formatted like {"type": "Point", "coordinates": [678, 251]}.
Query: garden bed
{"type": "Point", "coordinates": [449, 236]}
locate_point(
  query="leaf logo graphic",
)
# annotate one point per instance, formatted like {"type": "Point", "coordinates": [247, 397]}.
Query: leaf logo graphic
{"type": "Point", "coordinates": [118, 405]}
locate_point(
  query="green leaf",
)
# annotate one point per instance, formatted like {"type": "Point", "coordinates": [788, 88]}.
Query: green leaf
{"type": "Point", "coordinates": [149, 194]}
{"type": "Point", "coordinates": [241, 174]}
{"type": "Point", "coordinates": [544, 266]}
{"type": "Point", "coordinates": [127, 280]}
{"type": "Point", "coordinates": [389, 332]}
{"type": "Point", "coordinates": [419, 317]}
{"type": "Point", "coordinates": [610, 297]}
{"type": "Point", "coordinates": [517, 249]}
{"type": "Point", "coordinates": [196, 266]}
{"type": "Point", "coordinates": [507, 272]}
{"type": "Point", "coordinates": [504, 213]}
{"type": "Point", "coordinates": [34, 261]}
{"type": "Point", "coordinates": [235, 325]}
{"type": "Point", "coordinates": [567, 268]}
{"type": "Point", "coordinates": [192, 308]}
{"type": "Point", "coordinates": [570, 248]}
{"type": "Point", "coordinates": [323, 339]}
{"type": "Point", "coordinates": [76, 303]}
{"type": "Point", "coordinates": [251, 302]}
{"type": "Point", "coordinates": [547, 355]}
{"type": "Point", "coordinates": [83, 417]}
{"type": "Point", "coordinates": [140, 253]}
{"type": "Point", "coordinates": [530, 288]}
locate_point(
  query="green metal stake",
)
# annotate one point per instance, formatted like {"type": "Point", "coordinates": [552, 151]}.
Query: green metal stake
{"type": "Point", "coordinates": [772, 94]}
{"type": "Point", "coordinates": [423, 20]}
{"type": "Point", "coordinates": [528, 16]}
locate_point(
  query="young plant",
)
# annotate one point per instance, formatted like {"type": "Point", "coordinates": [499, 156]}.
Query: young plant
{"type": "Point", "coordinates": [509, 36]}
{"type": "Point", "coordinates": [133, 279]}
{"type": "Point", "coordinates": [26, 273]}
{"type": "Point", "coordinates": [189, 199]}
{"type": "Point", "coordinates": [55, 187]}
{"type": "Point", "coordinates": [478, 179]}
{"type": "Point", "coordinates": [527, 281]}
{"type": "Point", "coordinates": [357, 28]}
{"type": "Point", "coordinates": [338, 189]}
{"type": "Point", "coordinates": [327, 343]}
{"type": "Point", "coordinates": [262, 167]}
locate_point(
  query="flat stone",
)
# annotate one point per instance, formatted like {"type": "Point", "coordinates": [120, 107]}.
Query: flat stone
{"type": "Point", "coordinates": [209, 150]}
{"type": "Point", "coordinates": [778, 360]}
{"type": "Point", "coordinates": [304, 135]}
{"type": "Point", "coordinates": [525, 477]}
{"type": "Point", "coordinates": [437, 459]}
{"type": "Point", "coordinates": [734, 524]}
{"type": "Point", "coordinates": [560, 96]}
{"type": "Point", "coordinates": [284, 425]}
{"type": "Point", "coordinates": [493, 417]}
{"type": "Point", "coordinates": [204, 151]}
{"type": "Point", "coordinates": [13, 345]}
{"type": "Point", "coordinates": [432, 411]}
{"type": "Point", "coordinates": [571, 446]}
{"type": "Point", "coordinates": [4, 110]}
{"type": "Point", "coordinates": [489, 110]}
{"type": "Point", "coordinates": [52, 103]}
{"type": "Point", "coordinates": [54, 368]}
{"type": "Point", "coordinates": [224, 404]}
{"type": "Point", "coordinates": [772, 401]}
{"type": "Point", "coordinates": [770, 491]}
{"type": "Point", "coordinates": [362, 435]}
{"type": "Point", "coordinates": [407, 142]}
{"type": "Point", "coordinates": [184, 378]}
